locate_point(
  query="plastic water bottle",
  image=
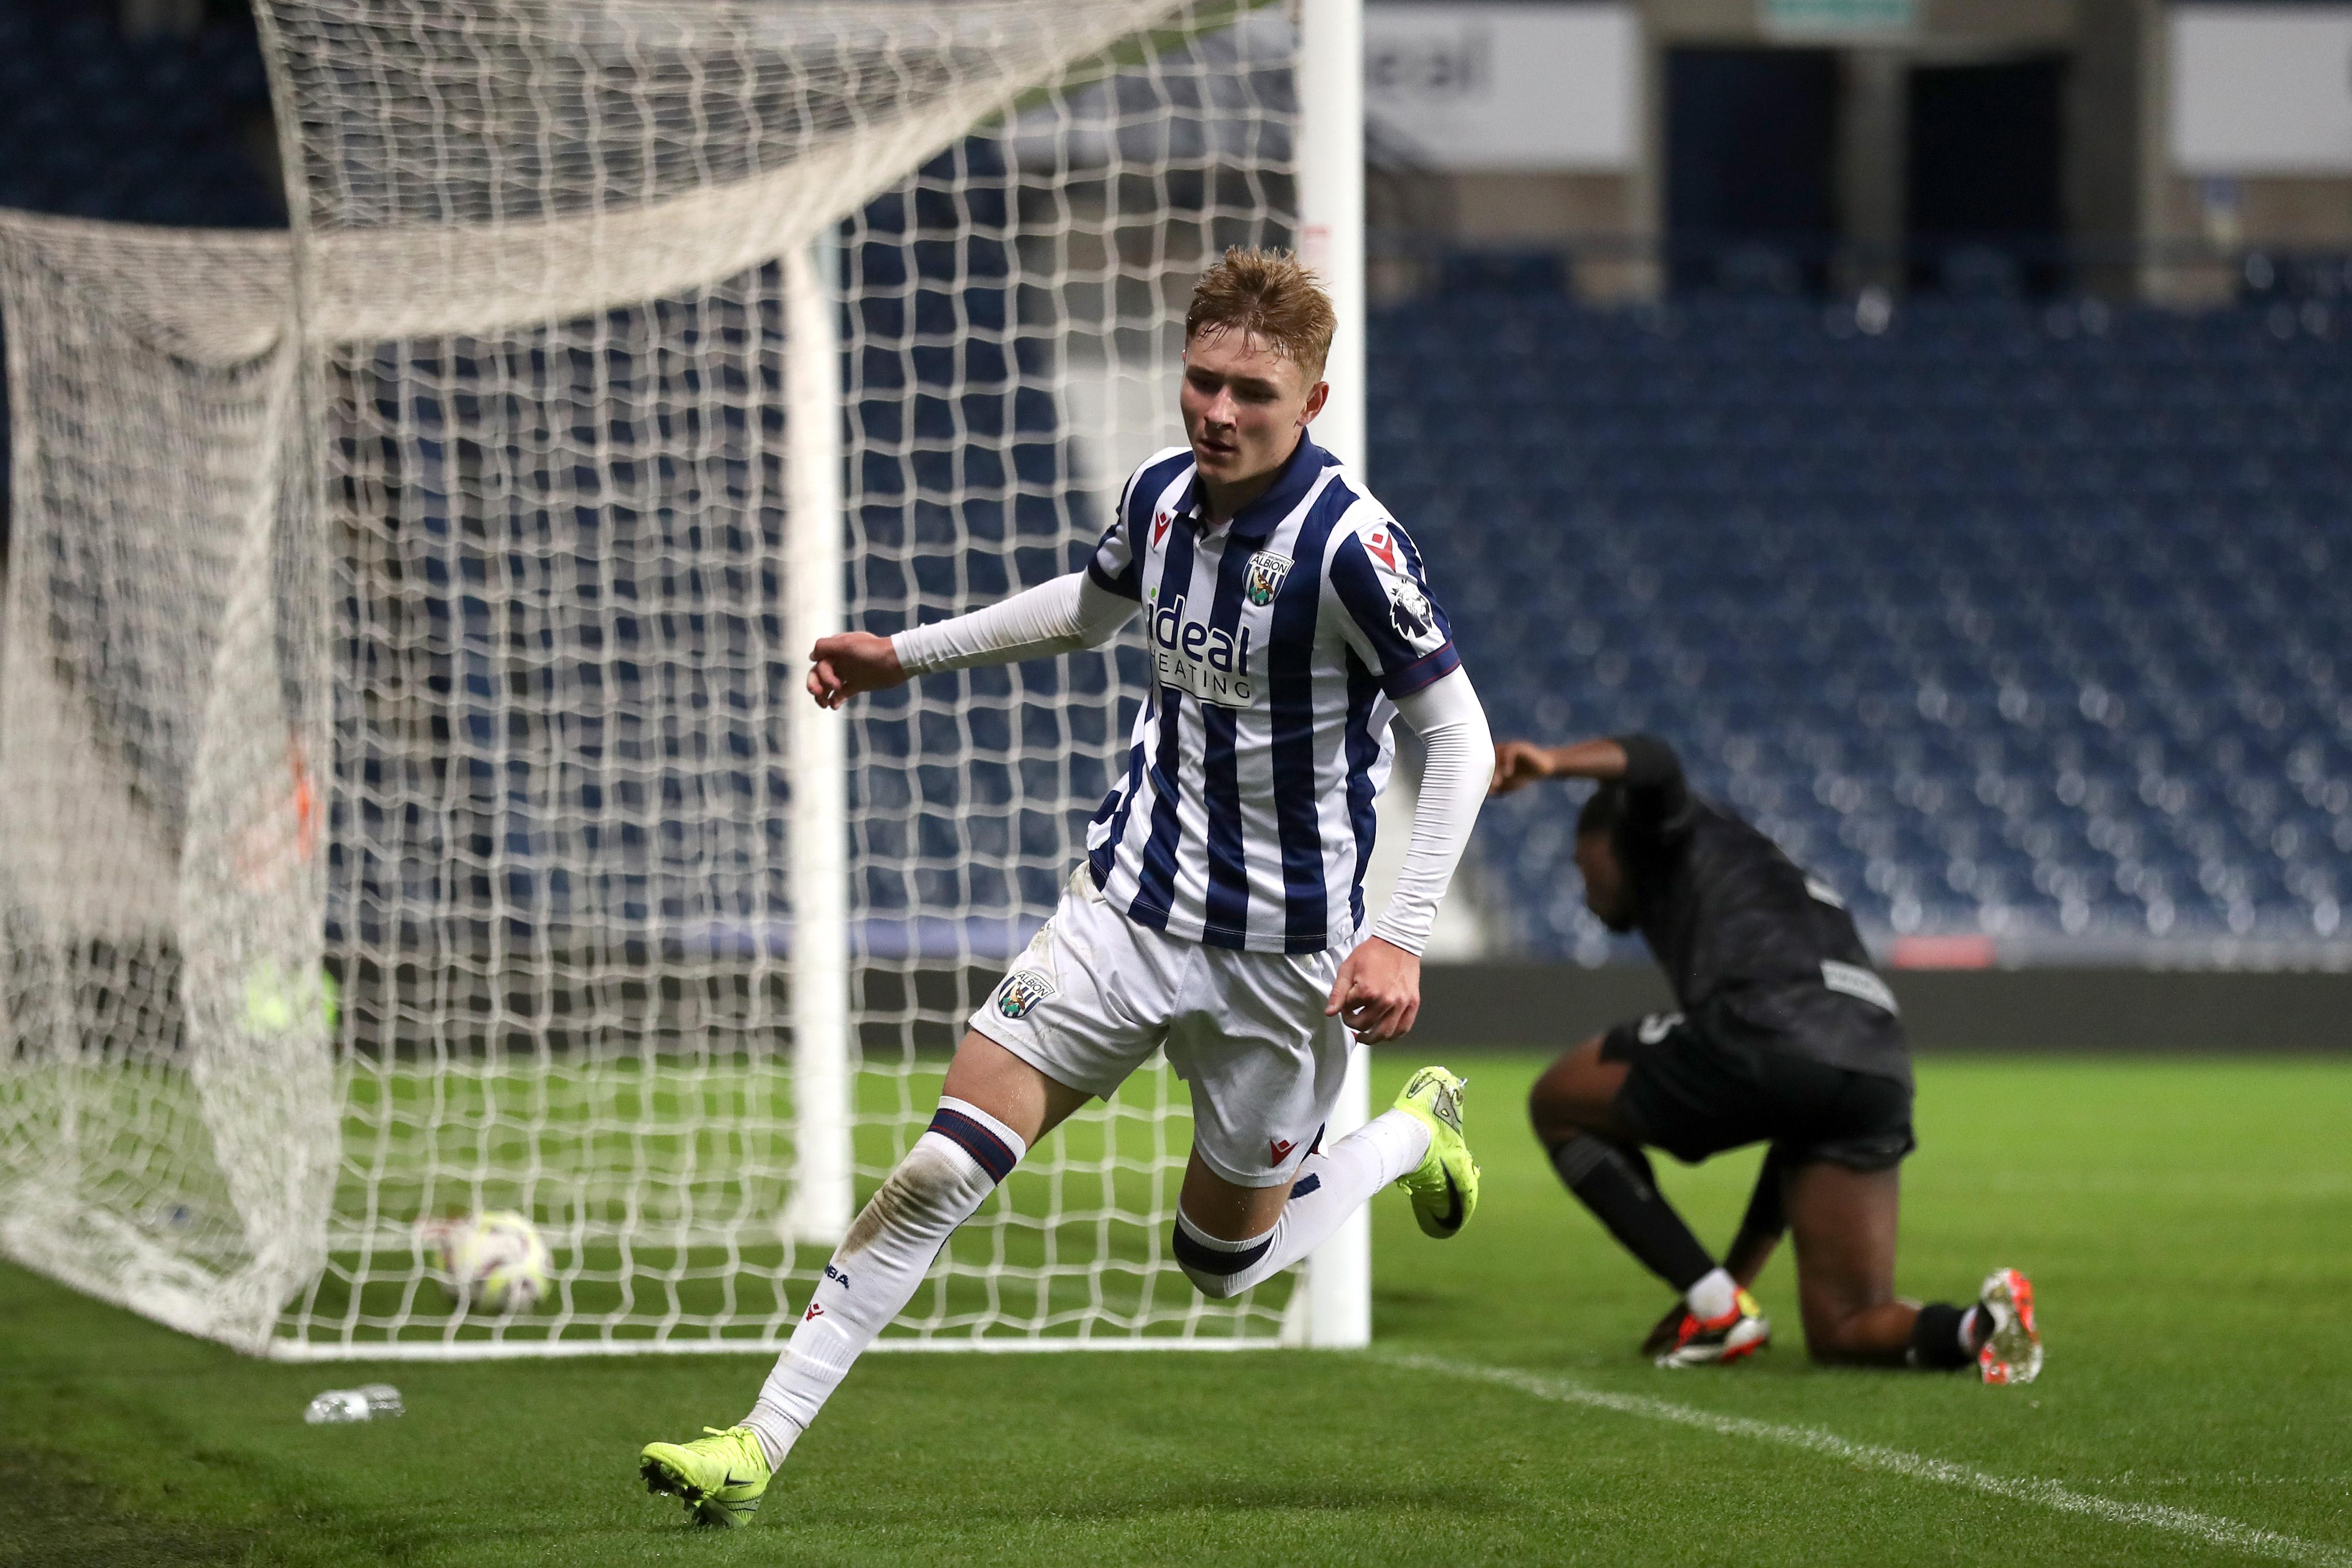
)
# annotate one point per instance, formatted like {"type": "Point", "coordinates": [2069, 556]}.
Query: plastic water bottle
{"type": "Point", "coordinates": [372, 1402]}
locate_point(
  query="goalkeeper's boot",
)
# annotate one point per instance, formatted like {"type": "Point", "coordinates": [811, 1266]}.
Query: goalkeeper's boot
{"type": "Point", "coordinates": [1711, 1342]}
{"type": "Point", "coordinates": [719, 1477]}
{"type": "Point", "coordinates": [1666, 1331]}
{"type": "Point", "coordinates": [1444, 1186]}
{"type": "Point", "coordinates": [2012, 1352]}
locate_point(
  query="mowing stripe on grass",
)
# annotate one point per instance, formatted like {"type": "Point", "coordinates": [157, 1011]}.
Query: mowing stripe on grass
{"type": "Point", "coordinates": [2211, 1528]}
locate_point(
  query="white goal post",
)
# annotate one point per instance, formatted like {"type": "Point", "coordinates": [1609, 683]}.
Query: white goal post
{"type": "Point", "coordinates": [399, 671]}
{"type": "Point", "coordinates": [823, 1194]}
{"type": "Point", "coordinates": [1331, 239]}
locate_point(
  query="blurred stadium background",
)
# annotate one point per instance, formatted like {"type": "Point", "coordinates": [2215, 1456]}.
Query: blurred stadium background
{"type": "Point", "coordinates": [1929, 413]}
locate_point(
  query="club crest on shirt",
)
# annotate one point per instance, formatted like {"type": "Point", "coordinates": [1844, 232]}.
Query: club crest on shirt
{"type": "Point", "coordinates": [1022, 991]}
{"type": "Point", "coordinates": [1267, 570]}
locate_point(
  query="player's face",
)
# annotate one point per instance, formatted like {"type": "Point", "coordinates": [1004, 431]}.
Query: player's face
{"type": "Point", "coordinates": [1605, 893]}
{"type": "Point", "coordinates": [1243, 406]}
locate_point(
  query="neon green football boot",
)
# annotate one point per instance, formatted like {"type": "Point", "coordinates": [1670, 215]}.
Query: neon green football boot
{"type": "Point", "coordinates": [1445, 1186]}
{"type": "Point", "coordinates": [719, 1477]}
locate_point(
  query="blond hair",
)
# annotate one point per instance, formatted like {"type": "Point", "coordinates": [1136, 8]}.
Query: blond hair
{"type": "Point", "coordinates": [1269, 296]}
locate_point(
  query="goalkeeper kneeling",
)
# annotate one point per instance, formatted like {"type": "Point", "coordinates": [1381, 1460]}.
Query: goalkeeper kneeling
{"type": "Point", "coordinates": [1219, 912]}
{"type": "Point", "coordinates": [1784, 1035]}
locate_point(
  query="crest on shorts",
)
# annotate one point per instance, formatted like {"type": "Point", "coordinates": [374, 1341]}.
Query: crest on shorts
{"type": "Point", "coordinates": [1022, 991]}
{"type": "Point", "coordinates": [1267, 570]}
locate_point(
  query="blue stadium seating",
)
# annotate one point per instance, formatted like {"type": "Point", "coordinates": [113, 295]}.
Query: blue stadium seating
{"type": "Point", "coordinates": [2016, 620]}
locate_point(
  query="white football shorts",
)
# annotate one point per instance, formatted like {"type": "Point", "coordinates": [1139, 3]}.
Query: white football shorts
{"type": "Point", "coordinates": [1094, 994]}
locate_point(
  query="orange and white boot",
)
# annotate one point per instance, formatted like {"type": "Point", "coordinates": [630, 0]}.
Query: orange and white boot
{"type": "Point", "coordinates": [2012, 1352]}
{"type": "Point", "coordinates": [1711, 1342]}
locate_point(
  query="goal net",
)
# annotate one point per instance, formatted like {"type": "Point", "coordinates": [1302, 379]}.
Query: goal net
{"type": "Point", "coordinates": [414, 809]}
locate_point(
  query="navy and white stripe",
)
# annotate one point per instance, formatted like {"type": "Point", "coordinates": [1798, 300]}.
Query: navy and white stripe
{"type": "Point", "coordinates": [1199, 1253]}
{"type": "Point", "coordinates": [1279, 645]}
{"type": "Point", "coordinates": [977, 1139]}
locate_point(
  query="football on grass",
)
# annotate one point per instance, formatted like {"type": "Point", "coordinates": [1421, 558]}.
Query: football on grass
{"type": "Point", "coordinates": [493, 1262]}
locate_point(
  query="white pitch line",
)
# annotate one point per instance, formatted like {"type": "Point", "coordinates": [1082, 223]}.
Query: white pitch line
{"type": "Point", "coordinates": [2211, 1529]}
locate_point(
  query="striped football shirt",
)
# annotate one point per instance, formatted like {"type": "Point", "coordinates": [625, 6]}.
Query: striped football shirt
{"type": "Point", "coordinates": [1280, 644]}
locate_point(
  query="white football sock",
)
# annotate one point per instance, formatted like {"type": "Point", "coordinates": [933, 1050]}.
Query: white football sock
{"type": "Point", "coordinates": [1333, 1183]}
{"type": "Point", "coordinates": [946, 1176]}
{"type": "Point", "coordinates": [1715, 1294]}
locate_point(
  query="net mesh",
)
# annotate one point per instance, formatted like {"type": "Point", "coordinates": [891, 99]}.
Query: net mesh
{"type": "Point", "coordinates": [167, 1115]}
{"type": "Point", "coordinates": [410, 596]}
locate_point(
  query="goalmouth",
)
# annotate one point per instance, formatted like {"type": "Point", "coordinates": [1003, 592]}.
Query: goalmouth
{"type": "Point", "coordinates": [399, 678]}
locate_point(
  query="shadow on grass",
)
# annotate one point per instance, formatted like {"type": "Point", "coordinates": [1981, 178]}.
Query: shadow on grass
{"type": "Point", "coordinates": [54, 1515]}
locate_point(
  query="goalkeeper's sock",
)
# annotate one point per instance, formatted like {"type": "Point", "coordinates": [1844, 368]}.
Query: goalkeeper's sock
{"type": "Point", "coordinates": [1943, 1336]}
{"type": "Point", "coordinates": [944, 1178]}
{"type": "Point", "coordinates": [1620, 1190]}
{"type": "Point", "coordinates": [1768, 1209]}
{"type": "Point", "coordinates": [1333, 1183]}
{"type": "Point", "coordinates": [1712, 1296]}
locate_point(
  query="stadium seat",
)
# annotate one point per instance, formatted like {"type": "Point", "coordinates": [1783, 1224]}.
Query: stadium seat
{"type": "Point", "coordinates": [2018, 619]}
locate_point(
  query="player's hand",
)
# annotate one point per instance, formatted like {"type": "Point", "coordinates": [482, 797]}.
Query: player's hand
{"type": "Point", "coordinates": [1378, 993]}
{"type": "Point", "coordinates": [842, 667]}
{"type": "Point", "coordinates": [1518, 763]}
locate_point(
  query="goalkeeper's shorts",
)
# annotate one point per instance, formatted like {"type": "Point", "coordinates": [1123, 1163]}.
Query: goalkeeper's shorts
{"type": "Point", "coordinates": [1094, 994]}
{"type": "Point", "coordinates": [1698, 1086]}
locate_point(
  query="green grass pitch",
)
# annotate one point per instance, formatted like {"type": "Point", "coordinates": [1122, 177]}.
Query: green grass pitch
{"type": "Point", "coordinates": [2189, 1225]}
